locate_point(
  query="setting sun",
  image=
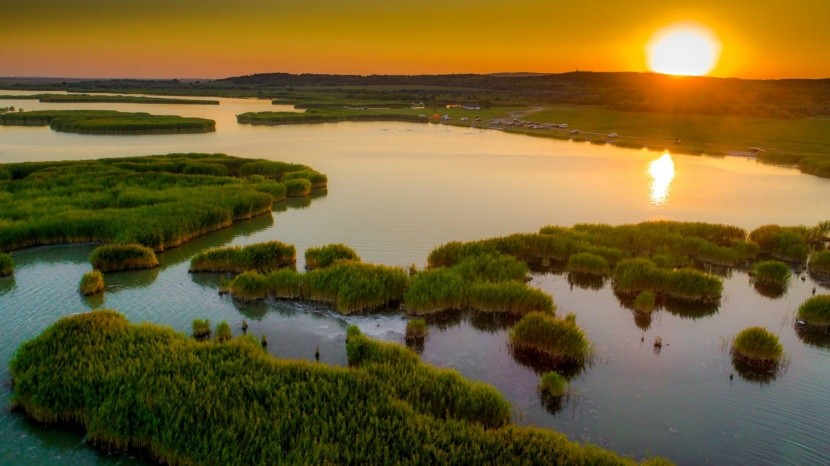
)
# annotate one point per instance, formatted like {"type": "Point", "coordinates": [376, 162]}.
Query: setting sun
{"type": "Point", "coordinates": [683, 49]}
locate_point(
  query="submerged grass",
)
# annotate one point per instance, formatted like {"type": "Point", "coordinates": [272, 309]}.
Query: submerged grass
{"type": "Point", "coordinates": [6, 264]}
{"type": "Point", "coordinates": [117, 257]}
{"type": "Point", "coordinates": [261, 257]}
{"type": "Point", "coordinates": [92, 283]}
{"type": "Point", "coordinates": [108, 122]}
{"type": "Point", "coordinates": [157, 201]}
{"type": "Point", "coordinates": [324, 256]}
{"type": "Point", "coordinates": [185, 402]}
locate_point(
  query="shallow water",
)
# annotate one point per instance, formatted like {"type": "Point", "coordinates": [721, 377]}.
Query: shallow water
{"type": "Point", "coordinates": [396, 191]}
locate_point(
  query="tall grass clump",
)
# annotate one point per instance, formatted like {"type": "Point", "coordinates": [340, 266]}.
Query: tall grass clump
{"type": "Point", "coordinates": [6, 264]}
{"type": "Point", "coordinates": [815, 312]}
{"type": "Point", "coordinates": [820, 263]}
{"type": "Point", "coordinates": [317, 180]}
{"type": "Point", "coordinates": [435, 290]}
{"type": "Point", "coordinates": [786, 243]}
{"type": "Point", "coordinates": [117, 257]}
{"type": "Point", "coordinates": [97, 371]}
{"type": "Point", "coordinates": [553, 384]}
{"type": "Point", "coordinates": [201, 329]}
{"type": "Point", "coordinates": [559, 340]}
{"type": "Point", "coordinates": [587, 263]}
{"type": "Point", "coordinates": [261, 257]}
{"type": "Point", "coordinates": [757, 346]}
{"type": "Point", "coordinates": [324, 256]}
{"type": "Point", "coordinates": [416, 329]}
{"type": "Point", "coordinates": [771, 272]}
{"type": "Point", "coordinates": [223, 332]}
{"type": "Point", "coordinates": [249, 286]}
{"type": "Point", "coordinates": [92, 283]}
{"type": "Point", "coordinates": [508, 297]}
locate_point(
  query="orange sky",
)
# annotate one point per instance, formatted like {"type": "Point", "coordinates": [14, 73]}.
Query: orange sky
{"type": "Point", "coordinates": [218, 38]}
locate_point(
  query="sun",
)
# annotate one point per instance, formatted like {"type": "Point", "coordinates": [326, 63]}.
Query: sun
{"type": "Point", "coordinates": [683, 49]}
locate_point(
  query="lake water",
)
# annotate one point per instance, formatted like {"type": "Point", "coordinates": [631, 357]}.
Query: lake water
{"type": "Point", "coordinates": [398, 190]}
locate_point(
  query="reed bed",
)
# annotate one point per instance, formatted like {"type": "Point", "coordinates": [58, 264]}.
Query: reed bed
{"type": "Point", "coordinates": [558, 340]}
{"type": "Point", "coordinates": [348, 286]}
{"type": "Point", "coordinates": [297, 187]}
{"type": "Point", "coordinates": [124, 99]}
{"type": "Point", "coordinates": [108, 122]}
{"type": "Point", "coordinates": [324, 256]}
{"type": "Point", "coordinates": [786, 243]}
{"type": "Point", "coordinates": [117, 257]}
{"type": "Point", "coordinates": [815, 312]}
{"type": "Point", "coordinates": [588, 263]}
{"type": "Point", "coordinates": [485, 282]}
{"type": "Point", "coordinates": [758, 347]}
{"type": "Point", "coordinates": [215, 403]}
{"type": "Point", "coordinates": [260, 257]}
{"type": "Point", "coordinates": [92, 283]}
{"type": "Point", "coordinates": [634, 276]}
{"type": "Point", "coordinates": [157, 201]}
{"type": "Point", "coordinates": [820, 263]}
{"type": "Point", "coordinates": [771, 272]}
{"type": "Point", "coordinates": [6, 264]}
{"type": "Point", "coordinates": [416, 329]}
{"type": "Point", "coordinates": [325, 115]}
{"type": "Point", "coordinates": [201, 329]}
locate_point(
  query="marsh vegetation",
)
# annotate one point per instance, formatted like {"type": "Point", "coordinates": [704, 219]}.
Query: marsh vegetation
{"type": "Point", "coordinates": [561, 341]}
{"type": "Point", "coordinates": [108, 122]}
{"type": "Point", "coordinates": [6, 264]}
{"type": "Point", "coordinates": [67, 375]}
{"type": "Point", "coordinates": [118, 257]}
{"type": "Point", "coordinates": [156, 201]}
{"type": "Point", "coordinates": [815, 313]}
{"type": "Point", "coordinates": [260, 257]}
{"type": "Point", "coordinates": [121, 99]}
{"type": "Point", "coordinates": [92, 283]}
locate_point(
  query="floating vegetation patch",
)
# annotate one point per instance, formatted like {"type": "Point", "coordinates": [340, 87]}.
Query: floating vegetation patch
{"type": "Point", "coordinates": [181, 401]}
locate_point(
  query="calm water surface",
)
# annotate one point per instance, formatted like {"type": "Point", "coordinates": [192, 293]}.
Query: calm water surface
{"type": "Point", "coordinates": [398, 190]}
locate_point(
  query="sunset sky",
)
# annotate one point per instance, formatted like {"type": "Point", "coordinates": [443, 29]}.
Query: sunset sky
{"type": "Point", "coordinates": [218, 38]}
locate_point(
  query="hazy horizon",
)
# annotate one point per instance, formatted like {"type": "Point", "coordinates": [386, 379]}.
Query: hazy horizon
{"type": "Point", "coordinates": [212, 39]}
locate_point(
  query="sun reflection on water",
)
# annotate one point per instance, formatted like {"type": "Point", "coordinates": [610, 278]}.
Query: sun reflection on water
{"type": "Point", "coordinates": [662, 173]}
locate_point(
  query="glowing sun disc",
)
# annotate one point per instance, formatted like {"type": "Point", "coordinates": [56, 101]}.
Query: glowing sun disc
{"type": "Point", "coordinates": [683, 49]}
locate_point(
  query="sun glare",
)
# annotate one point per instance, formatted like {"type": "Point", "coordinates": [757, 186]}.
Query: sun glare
{"type": "Point", "coordinates": [662, 173]}
{"type": "Point", "coordinates": [683, 49]}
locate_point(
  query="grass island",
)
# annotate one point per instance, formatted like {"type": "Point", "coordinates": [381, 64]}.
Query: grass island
{"type": "Point", "coordinates": [108, 122]}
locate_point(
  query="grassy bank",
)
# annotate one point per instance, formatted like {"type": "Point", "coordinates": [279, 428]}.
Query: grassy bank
{"type": "Point", "coordinates": [260, 257]}
{"type": "Point", "coordinates": [114, 379]}
{"type": "Point", "coordinates": [156, 201]}
{"type": "Point", "coordinates": [108, 122]}
{"type": "Point", "coordinates": [119, 99]}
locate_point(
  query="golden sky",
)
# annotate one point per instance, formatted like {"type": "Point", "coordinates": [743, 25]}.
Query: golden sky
{"type": "Point", "coordinates": [218, 38]}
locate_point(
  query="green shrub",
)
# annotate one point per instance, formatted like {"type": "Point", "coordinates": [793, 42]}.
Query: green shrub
{"type": "Point", "coordinates": [92, 283]}
{"type": "Point", "coordinates": [815, 312]}
{"type": "Point", "coordinates": [416, 329]}
{"type": "Point", "coordinates": [261, 257]}
{"type": "Point", "coordinates": [820, 263]}
{"type": "Point", "coordinates": [553, 384]}
{"type": "Point", "coordinates": [324, 256]}
{"type": "Point", "coordinates": [558, 340]}
{"type": "Point", "coordinates": [756, 345]}
{"type": "Point", "coordinates": [771, 272]}
{"type": "Point", "coordinates": [180, 401]}
{"type": "Point", "coordinates": [116, 257]}
{"type": "Point", "coordinates": [585, 262]}
{"type": "Point", "coordinates": [6, 264]}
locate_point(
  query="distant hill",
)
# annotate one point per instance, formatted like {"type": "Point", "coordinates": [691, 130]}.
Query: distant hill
{"type": "Point", "coordinates": [644, 92]}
